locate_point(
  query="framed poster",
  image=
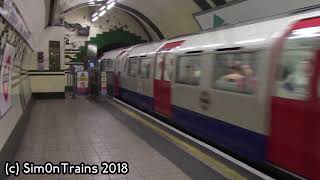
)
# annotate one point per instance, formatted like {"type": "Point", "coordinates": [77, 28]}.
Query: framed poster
{"type": "Point", "coordinates": [5, 79]}
{"type": "Point", "coordinates": [82, 82]}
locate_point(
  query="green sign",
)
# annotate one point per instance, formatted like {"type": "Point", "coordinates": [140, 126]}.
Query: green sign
{"type": "Point", "coordinates": [217, 21]}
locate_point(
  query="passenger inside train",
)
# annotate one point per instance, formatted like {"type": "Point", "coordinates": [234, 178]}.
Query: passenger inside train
{"type": "Point", "coordinates": [236, 75]}
{"type": "Point", "coordinates": [297, 79]}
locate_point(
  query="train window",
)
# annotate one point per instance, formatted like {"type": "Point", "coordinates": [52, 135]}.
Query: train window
{"type": "Point", "coordinates": [295, 68]}
{"type": "Point", "coordinates": [159, 65]}
{"type": "Point", "coordinates": [188, 70]}
{"type": "Point", "coordinates": [132, 67]}
{"type": "Point", "coordinates": [124, 64]}
{"type": "Point", "coordinates": [107, 65]}
{"type": "Point", "coordinates": [236, 72]}
{"type": "Point", "coordinates": [169, 67]}
{"type": "Point", "coordinates": [144, 68]}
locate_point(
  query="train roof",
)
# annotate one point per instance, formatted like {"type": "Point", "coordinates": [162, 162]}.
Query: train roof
{"type": "Point", "coordinates": [147, 49]}
{"type": "Point", "coordinates": [113, 53]}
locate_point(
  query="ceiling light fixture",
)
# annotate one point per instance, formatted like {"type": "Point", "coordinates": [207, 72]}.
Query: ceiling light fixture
{"type": "Point", "coordinates": [95, 19]}
{"type": "Point", "coordinates": [95, 14]}
{"type": "Point", "coordinates": [102, 8]}
{"type": "Point", "coordinates": [102, 13]}
{"type": "Point", "coordinates": [111, 5]}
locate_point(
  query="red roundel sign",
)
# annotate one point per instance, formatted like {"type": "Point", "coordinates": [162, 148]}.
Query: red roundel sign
{"type": "Point", "coordinates": [6, 78]}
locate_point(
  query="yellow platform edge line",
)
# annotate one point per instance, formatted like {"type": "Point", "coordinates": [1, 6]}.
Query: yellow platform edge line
{"type": "Point", "coordinates": [203, 157]}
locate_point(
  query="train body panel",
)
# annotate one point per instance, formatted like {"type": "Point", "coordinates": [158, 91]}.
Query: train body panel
{"type": "Point", "coordinates": [137, 79]}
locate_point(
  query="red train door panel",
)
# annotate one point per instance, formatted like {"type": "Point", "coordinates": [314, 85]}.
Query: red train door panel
{"type": "Point", "coordinates": [292, 106]}
{"type": "Point", "coordinates": [162, 80]}
{"type": "Point", "coordinates": [314, 132]}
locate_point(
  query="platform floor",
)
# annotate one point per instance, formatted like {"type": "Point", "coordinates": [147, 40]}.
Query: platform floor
{"type": "Point", "coordinates": [84, 131]}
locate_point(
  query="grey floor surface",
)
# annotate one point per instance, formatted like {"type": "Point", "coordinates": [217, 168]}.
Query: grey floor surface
{"type": "Point", "coordinates": [83, 131]}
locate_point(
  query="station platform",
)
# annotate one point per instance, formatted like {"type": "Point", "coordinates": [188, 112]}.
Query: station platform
{"type": "Point", "coordinates": [88, 131]}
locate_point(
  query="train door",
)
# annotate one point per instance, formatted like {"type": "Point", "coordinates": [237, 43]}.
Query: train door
{"type": "Point", "coordinates": [294, 108]}
{"type": "Point", "coordinates": [314, 156]}
{"type": "Point", "coordinates": [162, 79]}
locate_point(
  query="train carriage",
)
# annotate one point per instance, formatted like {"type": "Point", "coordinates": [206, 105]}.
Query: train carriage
{"type": "Point", "coordinates": [108, 66]}
{"type": "Point", "coordinates": [253, 89]}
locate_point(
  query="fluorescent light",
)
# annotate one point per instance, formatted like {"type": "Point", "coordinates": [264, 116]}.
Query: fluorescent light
{"type": "Point", "coordinates": [102, 13]}
{"type": "Point", "coordinates": [250, 41]}
{"type": "Point", "coordinates": [91, 3]}
{"type": "Point", "coordinates": [110, 1]}
{"type": "Point", "coordinates": [111, 5]}
{"type": "Point", "coordinates": [95, 19]}
{"type": "Point", "coordinates": [95, 14]}
{"type": "Point", "coordinates": [91, 0]}
{"type": "Point", "coordinates": [102, 8]}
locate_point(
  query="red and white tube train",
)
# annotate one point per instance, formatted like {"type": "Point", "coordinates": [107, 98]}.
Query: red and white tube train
{"type": "Point", "coordinates": [253, 89]}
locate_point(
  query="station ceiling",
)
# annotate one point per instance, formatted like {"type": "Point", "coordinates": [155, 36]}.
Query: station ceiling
{"type": "Point", "coordinates": [169, 17]}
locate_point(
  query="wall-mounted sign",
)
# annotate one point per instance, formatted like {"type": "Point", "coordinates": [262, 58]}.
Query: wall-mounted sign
{"type": "Point", "coordinates": [82, 82]}
{"type": "Point", "coordinates": [103, 83]}
{"type": "Point", "coordinates": [5, 79]}
{"type": "Point", "coordinates": [78, 68]}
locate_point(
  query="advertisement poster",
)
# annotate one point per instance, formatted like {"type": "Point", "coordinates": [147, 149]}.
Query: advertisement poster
{"type": "Point", "coordinates": [5, 79]}
{"type": "Point", "coordinates": [103, 83]}
{"type": "Point", "coordinates": [82, 82]}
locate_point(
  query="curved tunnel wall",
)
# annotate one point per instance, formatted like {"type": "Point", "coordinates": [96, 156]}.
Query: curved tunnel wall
{"type": "Point", "coordinates": [15, 117]}
{"type": "Point", "coordinates": [114, 29]}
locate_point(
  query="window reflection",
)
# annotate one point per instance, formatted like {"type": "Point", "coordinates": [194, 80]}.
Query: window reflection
{"type": "Point", "coordinates": [236, 72]}
{"type": "Point", "coordinates": [189, 70]}
{"type": "Point", "coordinates": [132, 67]}
{"type": "Point", "coordinates": [295, 67]}
{"type": "Point", "coordinates": [107, 65]}
{"type": "Point", "coordinates": [144, 68]}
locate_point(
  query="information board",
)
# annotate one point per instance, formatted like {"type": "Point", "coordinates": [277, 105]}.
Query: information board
{"type": "Point", "coordinates": [103, 83]}
{"type": "Point", "coordinates": [82, 82]}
